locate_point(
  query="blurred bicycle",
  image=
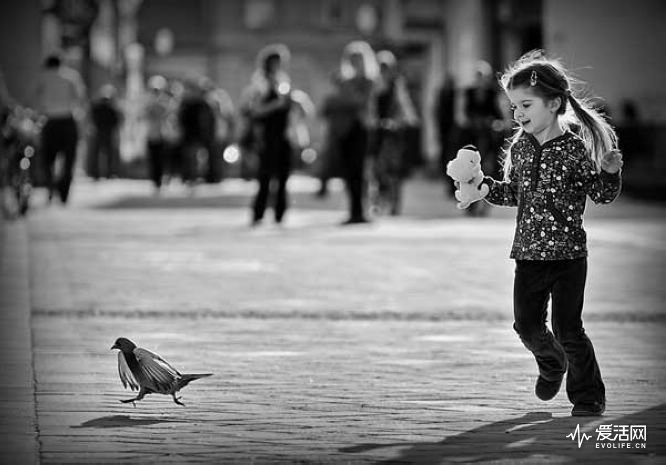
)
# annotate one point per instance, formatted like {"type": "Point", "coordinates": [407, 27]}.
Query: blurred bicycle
{"type": "Point", "coordinates": [20, 142]}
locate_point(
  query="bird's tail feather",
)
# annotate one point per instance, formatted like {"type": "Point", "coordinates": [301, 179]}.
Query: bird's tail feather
{"type": "Point", "coordinates": [187, 379]}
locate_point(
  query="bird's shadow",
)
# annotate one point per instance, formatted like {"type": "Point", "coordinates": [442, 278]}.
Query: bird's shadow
{"type": "Point", "coordinates": [121, 421]}
{"type": "Point", "coordinates": [536, 434]}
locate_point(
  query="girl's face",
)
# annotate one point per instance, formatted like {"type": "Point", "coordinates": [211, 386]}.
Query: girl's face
{"type": "Point", "coordinates": [536, 115]}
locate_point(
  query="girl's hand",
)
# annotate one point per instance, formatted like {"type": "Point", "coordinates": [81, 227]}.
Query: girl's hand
{"type": "Point", "coordinates": [611, 161]}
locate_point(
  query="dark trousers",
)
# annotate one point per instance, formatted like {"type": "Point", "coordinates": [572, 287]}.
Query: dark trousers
{"type": "Point", "coordinates": [353, 151]}
{"type": "Point", "coordinates": [189, 164]}
{"type": "Point", "coordinates": [104, 154]}
{"type": "Point", "coordinates": [563, 281]}
{"type": "Point", "coordinates": [59, 136]}
{"type": "Point", "coordinates": [389, 167]}
{"type": "Point", "coordinates": [274, 165]}
{"type": "Point", "coordinates": [156, 161]}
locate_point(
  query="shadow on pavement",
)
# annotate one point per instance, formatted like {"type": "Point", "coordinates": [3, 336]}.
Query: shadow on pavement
{"type": "Point", "coordinates": [537, 437]}
{"type": "Point", "coordinates": [298, 199]}
{"type": "Point", "coordinates": [120, 421]}
{"type": "Point", "coordinates": [417, 208]}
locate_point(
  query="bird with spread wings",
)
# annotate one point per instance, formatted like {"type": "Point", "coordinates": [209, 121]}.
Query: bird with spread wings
{"type": "Point", "coordinates": [147, 372]}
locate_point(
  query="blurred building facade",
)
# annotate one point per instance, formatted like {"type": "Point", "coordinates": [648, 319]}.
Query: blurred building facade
{"type": "Point", "coordinates": [614, 45]}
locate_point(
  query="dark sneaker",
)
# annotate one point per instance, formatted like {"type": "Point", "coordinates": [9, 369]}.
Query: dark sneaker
{"type": "Point", "coordinates": [588, 409]}
{"type": "Point", "coordinates": [546, 390]}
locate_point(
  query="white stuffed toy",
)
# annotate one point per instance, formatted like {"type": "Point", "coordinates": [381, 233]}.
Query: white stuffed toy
{"type": "Point", "coordinates": [466, 170]}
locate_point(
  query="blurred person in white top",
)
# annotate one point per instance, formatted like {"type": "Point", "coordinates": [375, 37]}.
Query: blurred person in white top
{"type": "Point", "coordinates": [61, 98]}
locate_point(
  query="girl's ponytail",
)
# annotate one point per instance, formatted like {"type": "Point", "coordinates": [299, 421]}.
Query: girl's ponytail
{"type": "Point", "coordinates": [597, 134]}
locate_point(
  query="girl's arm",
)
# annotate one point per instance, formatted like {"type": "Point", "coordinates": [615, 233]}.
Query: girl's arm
{"type": "Point", "coordinates": [601, 187]}
{"type": "Point", "coordinates": [503, 193]}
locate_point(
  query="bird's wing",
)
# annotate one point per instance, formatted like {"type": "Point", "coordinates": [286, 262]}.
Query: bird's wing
{"type": "Point", "coordinates": [126, 376]}
{"type": "Point", "coordinates": [156, 369]}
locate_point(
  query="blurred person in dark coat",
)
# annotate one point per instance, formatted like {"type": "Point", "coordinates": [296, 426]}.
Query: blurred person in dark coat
{"type": "Point", "coordinates": [156, 113]}
{"type": "Point", "coordinates": [269, 103]}
{"type": "Point", "coordinates": [446, 127]}
{"type": "Point", "coordinates": [223, 110]}
{"type": "Point", "coordinates": [60, 95]}
{"type": "Point", "coordinates": [337, 123]}
{"type": "Point", "coordinates": [394, 112]}
{"type": "Point", "coordinates": [196, 119]}
{"type": "Point", "coordinates": [105, 116]}
{"type": "Point", "coordinates": [482, 113]}
{"type": "Point", "coordinates": [358, 75]}
{"type": "Point", "coordinates": [6, 105]}
{"type": "Point", "coordinates": [481, 110]}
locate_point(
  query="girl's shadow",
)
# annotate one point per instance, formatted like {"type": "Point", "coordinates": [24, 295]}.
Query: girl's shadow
{"type": "Point", "coordinates": [537, 437]}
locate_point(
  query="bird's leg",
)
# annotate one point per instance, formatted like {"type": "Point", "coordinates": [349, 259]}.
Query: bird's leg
{"type": "Point", "coordinates": [140, 396]}
{"type": "Point", "coordinates": [177, 399]}
{"type": "Point", "coordinates": [127, 401]}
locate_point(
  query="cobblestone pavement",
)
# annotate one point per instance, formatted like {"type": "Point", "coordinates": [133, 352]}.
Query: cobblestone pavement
{"type": "Point", "coordinates": [389, 342]}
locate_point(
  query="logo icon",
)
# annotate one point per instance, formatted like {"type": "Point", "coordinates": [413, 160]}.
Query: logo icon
{"type": "Point", "coordinates": [577, 436]}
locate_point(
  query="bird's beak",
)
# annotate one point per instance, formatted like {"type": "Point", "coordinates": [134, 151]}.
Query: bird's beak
{"type": "Point", "coordinates": [114, 346]}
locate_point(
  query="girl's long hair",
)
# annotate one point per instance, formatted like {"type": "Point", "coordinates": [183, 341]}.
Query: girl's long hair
{"type": "Point", "coordinates": [549, 80]}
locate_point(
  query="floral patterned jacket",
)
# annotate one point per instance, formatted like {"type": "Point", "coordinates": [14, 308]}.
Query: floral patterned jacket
{"type": "Point", "coordinates": [549, 184]}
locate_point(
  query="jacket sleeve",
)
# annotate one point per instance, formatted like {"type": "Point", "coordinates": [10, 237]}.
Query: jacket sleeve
{"type": "Point", "coordinates": [503, 193]}
{"type": "Point", "coordinates": [601, 187]}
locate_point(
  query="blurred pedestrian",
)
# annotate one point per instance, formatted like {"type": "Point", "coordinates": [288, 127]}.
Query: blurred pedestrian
{"type": "Point", "coordinates": [244, 137]}
{"type": "Point", "coordinates": [358, 75]}
{"type": "Point", "coordinates": [61, 95]}
{"type": "Point", "coordinates": [393, 112]}
{"type": "Point", "coordinates": [631, 131]}
{"type": "Point", "coordinates": [6, 105]}
{"type": "Point", "coordinates": [334, 113]}
{"type": "Point", "coordinates": [196, 119]}
{"type": "Point", "coordinates": [481, 111]}
{"type": "Point", "coordinates": [156, 112]}
{"type": "Point", "coordinates": [172, 132]}
{"type": "Point", "coordinates": [6, 101]}
{"type": "Point", "coordinates": [105, 116]}
{"type": "Point", "coordinates": [548, 174]}
{"type": "Point", "coordinates": [268, 102]}
{"type": "Point", "coordinates": [446, 126]}
{"type": "Point", "coordinates": [223, 110]}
